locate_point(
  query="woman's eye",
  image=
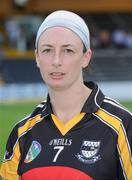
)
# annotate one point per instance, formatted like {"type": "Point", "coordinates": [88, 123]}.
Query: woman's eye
{"type": "Point", "coordinates": [46, 50]}
{"type": "Point", "coordinates": [69, 51]}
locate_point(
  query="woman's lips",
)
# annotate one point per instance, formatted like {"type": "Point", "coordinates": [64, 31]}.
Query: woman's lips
{"type": "Point", "coordinates": [57, 75]}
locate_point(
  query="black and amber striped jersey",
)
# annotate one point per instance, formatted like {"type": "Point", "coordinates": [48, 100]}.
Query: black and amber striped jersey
{"type": "Point", "coordinates": [96, 144]}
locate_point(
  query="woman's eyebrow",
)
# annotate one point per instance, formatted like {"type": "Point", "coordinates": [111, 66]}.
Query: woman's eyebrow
{"type": "Point", "coordinates": [67, 45]}
{"type": "Point", "coordinates": [64, 46]}
{"type": "Point", "coordinates": [46, 45]}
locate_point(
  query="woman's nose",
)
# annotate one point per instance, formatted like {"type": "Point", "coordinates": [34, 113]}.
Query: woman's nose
{"type": "Point", "coordinates": [57, 60]}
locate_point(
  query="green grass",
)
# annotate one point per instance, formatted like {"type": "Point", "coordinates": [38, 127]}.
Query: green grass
{"type": "Point", "coordinates": [128, 105]}
{"type": "Point", "coordinates": [10, 114]}
{"type": "Point", "coordinates": [13, 112]}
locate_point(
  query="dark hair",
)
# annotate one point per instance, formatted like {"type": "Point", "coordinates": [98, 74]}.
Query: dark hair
{"type": "Point", "coordinates": [84, 48]}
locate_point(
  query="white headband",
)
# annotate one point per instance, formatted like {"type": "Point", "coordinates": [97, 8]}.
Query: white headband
{"type": "Point", "coordinates": [68, 20]}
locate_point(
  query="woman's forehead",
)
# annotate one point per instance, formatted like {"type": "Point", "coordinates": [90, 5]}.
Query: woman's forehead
{"type": "Point", "coordinates": [60, 34]}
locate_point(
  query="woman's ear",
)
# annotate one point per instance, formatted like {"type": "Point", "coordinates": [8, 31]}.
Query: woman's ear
{"type": "Point", "coordinates": [37, 58]}
{"type": "Point", "coordinates": [87, 58]}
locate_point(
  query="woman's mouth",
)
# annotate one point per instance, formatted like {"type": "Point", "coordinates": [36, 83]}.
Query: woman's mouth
{"type": "Point", "coordinates": [57, 75]}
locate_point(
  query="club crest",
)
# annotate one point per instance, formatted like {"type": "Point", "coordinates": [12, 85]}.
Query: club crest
{"type": "Point", "coordinates": [89, 152]}
{"type": "Point", "coordinates": [33, 152]}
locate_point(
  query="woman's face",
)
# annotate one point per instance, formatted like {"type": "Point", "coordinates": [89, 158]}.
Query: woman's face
{"type": "Point", "coordinates": [60, 57]}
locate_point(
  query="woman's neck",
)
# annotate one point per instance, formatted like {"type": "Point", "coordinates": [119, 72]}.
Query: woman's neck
{"type": "Point", "coordinates": [69, 102]}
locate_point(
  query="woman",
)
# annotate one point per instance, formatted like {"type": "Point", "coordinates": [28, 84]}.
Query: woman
{"type": "Point", "coordinates": [78, 133]}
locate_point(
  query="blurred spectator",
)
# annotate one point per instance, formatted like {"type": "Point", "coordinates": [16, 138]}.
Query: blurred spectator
{"type": "Point", "coordinates": [13, 32]}
{"type": "Point", "coordinates": [22, 39]}
{"type": "Point", "coordinates": [128, 38]}
{"type": "Point", "coordinates": [2, 82]}
{"type": "Point", "coordinates": [94, 36]}
{"type": "Point", "coordinates": [118, 38]}
{"type": "Point", "coordinates": [21, 30]}
{"type": "Point", "coordinates": [31, 41]}
{"type": "Point", "coordinates": [1, 39]}
{"type": "Point", "coordinates": [104, 39]}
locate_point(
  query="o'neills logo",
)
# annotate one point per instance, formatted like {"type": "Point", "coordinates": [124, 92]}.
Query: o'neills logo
{"type": "Point", "coordinates": [60, 142]}
{"type": "Point", "coordinates": [89, 152]}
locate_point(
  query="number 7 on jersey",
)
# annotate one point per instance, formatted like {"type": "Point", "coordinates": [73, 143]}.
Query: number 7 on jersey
{"type": "Point", "coordinates": [59, 148]}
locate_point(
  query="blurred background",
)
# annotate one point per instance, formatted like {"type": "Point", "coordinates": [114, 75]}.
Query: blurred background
{"type": "Point", "coordinates": [21, 87]}
{"type": "Point", "coordinates": [110, 24]}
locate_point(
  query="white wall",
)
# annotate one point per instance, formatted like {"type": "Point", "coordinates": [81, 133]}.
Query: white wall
{"type": "Point", "coordinates": [13, 92]}
{"type": "Point", "coordinates": [118, 90]}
